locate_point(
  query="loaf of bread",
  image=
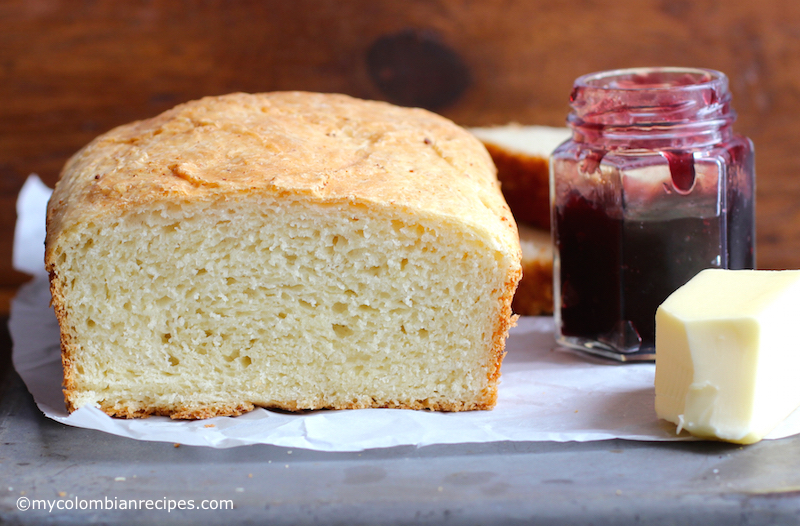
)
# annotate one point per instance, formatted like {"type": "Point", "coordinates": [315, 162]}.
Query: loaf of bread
{"type": "Point", "coordinates": [522, 156]}
{"type": "Point", "coordinates": [287, 250]}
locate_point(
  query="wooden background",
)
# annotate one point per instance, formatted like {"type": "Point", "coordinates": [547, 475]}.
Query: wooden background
{"type": "Point", "coordinates": [70, 70]}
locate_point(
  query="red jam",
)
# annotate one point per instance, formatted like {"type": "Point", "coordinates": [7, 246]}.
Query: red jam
{"type": "Point", "coordinates": [653, 187]}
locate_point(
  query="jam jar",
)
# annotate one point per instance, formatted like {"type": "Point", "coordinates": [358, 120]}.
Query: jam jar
{"type": "Point", "coordinates": [653, 187]}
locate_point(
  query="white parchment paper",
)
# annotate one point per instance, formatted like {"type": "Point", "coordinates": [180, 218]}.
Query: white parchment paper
{"type": "Point", "coordinates": [546, 393]}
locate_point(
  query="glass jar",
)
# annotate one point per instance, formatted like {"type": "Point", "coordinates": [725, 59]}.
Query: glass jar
{"type": "Point", "coordinates": [653, 187]}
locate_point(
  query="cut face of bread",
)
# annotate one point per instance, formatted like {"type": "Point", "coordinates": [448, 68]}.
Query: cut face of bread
{"type": "Point", "coordinates": [279, 304]}
{"type": "Point", "coordinates": [194, 296]}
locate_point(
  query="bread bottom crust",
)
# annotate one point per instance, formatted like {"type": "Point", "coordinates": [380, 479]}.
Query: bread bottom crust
{"type": "Point", "coordinates": [202, 411]}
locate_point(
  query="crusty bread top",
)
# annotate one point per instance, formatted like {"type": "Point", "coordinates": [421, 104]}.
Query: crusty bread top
{"type": "Point", "coordinates": [325, 146]}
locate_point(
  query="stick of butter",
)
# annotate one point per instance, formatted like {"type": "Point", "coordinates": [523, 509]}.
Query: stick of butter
{"type": "Point", "coordinates": [727, 353]}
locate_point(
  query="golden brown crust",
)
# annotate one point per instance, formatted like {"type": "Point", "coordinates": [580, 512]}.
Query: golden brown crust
{"type": "Point", "coordinates": [66, 341]}
{"type": "Point", "coordinates": [360, 155]}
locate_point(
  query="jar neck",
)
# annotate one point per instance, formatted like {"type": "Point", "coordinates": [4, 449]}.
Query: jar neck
{"type": "Point", "coordinates": [652, 108]}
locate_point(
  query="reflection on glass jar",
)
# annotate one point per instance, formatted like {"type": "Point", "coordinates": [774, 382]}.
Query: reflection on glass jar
{"type": "Point", "coordinates": [653, 187]}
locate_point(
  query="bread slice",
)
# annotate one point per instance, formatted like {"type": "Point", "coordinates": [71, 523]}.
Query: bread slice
{"type": "Point", "coordinates": [522, 156]}
{"type": "Point", "coordinates": [534, 296]}
{"type": "Point", "coordinates": [288, 250]}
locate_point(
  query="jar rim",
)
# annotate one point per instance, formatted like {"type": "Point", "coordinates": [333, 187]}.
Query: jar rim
{"type": "Point", "coordinates": [653, 79]}
{"type": "Point", "coordinates": [635, 100]}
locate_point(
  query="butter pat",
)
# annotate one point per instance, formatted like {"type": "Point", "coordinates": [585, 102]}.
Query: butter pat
{"type": "Point", "coordinates": [727, 353]}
